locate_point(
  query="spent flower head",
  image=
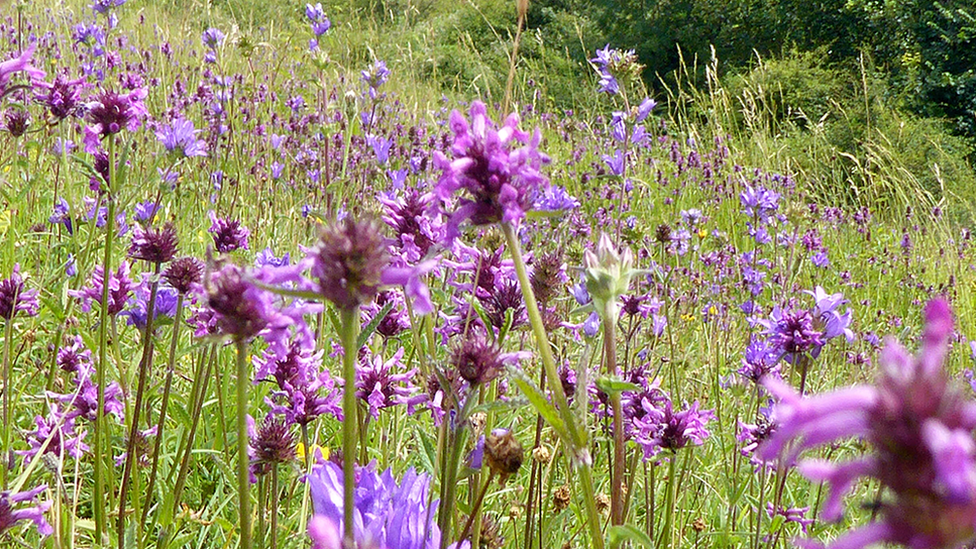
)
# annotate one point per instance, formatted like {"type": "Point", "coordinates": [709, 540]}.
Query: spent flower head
{"type": "Point", "coordinates": [607, 273]}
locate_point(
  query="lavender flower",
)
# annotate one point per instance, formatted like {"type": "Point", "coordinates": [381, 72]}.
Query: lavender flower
{"type": "Point", "coordinates": [387, 514]}
{"type": "Point", "coordinates": [212, 38]}
{"type": "Point", "coordinates": [9, 516]}
{"type": "Point", "coordinates": [15, 297]}
{"type": "Point", "coordinates": [612, 64]}
{"type": "Point", "coordinates": [376, 76]}
{"type": "Point", "coordinates": [180, 138]}
{"type": "Point", "coordinates": [920, 430]}
{"type": "Point", "coordinates": [316, 17]}
{"type": "Point", "coordinates": [500, 179]}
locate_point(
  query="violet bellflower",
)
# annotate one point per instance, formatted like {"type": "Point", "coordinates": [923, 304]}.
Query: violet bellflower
{"type": "Point", "coordinates": [501, 177]}
{"type": "Point", "coordinates": [920, 431]}
{"type": "Point", "coordinates": [180, 138]}
{"type": "Point", "coordinates": [388, 514]}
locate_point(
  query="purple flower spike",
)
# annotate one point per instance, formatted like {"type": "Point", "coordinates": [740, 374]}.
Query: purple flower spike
{"type": "Point", "coordinates": [15, 297]}
{"type": "Point", "coordinates": [112, 112]}
{"type": "Point", "coordinates": [920, 430]}
{"type": "Point", "coordinates": [501, 180]}
{"type": "Point", "coordinates": [228, 235]}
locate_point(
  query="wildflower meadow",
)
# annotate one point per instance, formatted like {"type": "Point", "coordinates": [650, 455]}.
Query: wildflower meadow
{"type": "Point", "coordinates": [266, 283]}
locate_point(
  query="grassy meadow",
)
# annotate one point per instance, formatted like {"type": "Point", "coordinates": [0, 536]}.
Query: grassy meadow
{"type": "Point", "coordinates": [295, 212]}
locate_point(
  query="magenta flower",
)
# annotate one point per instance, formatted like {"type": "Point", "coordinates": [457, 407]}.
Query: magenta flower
{"type": "Point", "coordinates": [15, 297]}
{"type": "Point", "coordinates": [19, 64]}
{"type": "Point", "coordinates": [381, 384]}
{"type": "Point", "coordinates": [111, 113]}
{"type": "Point", "coordinates": [920, 430]}
{"type": "Point", "coordinates": [119, 287]}
{"type": "Point", "coordinates": [9, 516]}
{"type": "Point", "coordinates": [662, 428]}
{"type": "Point", "coordinates": [502, 180]}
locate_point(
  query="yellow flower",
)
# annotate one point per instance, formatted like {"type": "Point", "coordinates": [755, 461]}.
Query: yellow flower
{"type": "Point", "coordinates": [316, 449]}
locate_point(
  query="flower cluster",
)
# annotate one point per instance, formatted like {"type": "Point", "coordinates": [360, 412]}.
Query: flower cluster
{"type": "Point", "coordinates": [920, 431]}
{"type": "Point", "coordinates": [502, 180]}
{"type": "Point", "coordinates": [15, 297]}
{"type": "Point", "coordinates": [10, 516]}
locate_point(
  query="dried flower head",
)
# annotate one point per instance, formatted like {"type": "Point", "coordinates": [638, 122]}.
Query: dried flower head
{"type": "Point", "coordinates": [504, 453]}
{"type": "Point", "coordinates": [184, 274]}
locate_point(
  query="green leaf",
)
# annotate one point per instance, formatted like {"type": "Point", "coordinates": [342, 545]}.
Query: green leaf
{"type": "Point", "coordinates": [626, 532]}
{"type": "Point", "coordinates": [540, 402]}
{"type": "Point", "coordinates": [613, 384]}
{"type": "Point", "coordinates": [368, 329]}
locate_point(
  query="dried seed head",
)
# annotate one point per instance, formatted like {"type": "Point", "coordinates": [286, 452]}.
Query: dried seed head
{"type": "Point", "coordinates": [561, 498]}
{"type": "Point", "coordinates": [504, 453]}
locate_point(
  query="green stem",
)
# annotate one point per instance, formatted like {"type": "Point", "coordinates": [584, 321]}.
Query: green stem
{"type": "Point", "coordinates": [8, 331]}
{"type": "Point", "coordinates": [666, 534]}
{"type": "Point", "coordinates": [610, 357]}
{"type": "Point", "coordinates": [101, 437]}
{"type": "Point", "coordinates": [145, 364]}
{"type": "Point", "coordinates": [349, 320]}
{"type": "Point", "coordinates": [243, 478]}
{"type": "Point", "coordinates": [575, 437]}
{"type": "Point", "coordinates": [170, 367]}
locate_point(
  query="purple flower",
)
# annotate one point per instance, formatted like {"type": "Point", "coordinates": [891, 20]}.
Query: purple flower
{"type": "Point", "coordinates": [58, 431]}
{"type": "Point", "coordinates": [615, 162]}
{"type": "Point", "coordinates": [119, 287]}
{"type": "Point", "coordinates": [180, 137]}
{"type": "Point", "coordinates": [62, 98]}
{"type": "Point", "coordinates": [759, 203]}
{"type": "Point", "coordinates": [228, 235]}
{"type": "Point", "coordinates": [240, 309]}
{"type": "Point", "coordinates": [112, 112]}
{"type": "Point", "coordinates": [15, 297]}
{"type": "Point", "coordinates": [379, 385]}
{"type": "Point", "coordinates": [664, 429]}
{"type": "Point", "coordinates": [137, 312]}
{"type": "Point", "coordinates": [9, 516]}
{"type": "Point", "coordinates": [154, 245]}
{"type": "Point", "coordinates": [376, 76]}
{"type": "Point", "coordinates": [760, 360]}
{"type": "Point", "coordinates": [554, 198]}
{"type": "Point", "coordinates": [792, 333]}
{"type": "Point", "coordinates": [316, 17]}
{"type": "Point", "coordinates": [212, 38]}
{"type": "Point", "coordinates": [501, 180]}
{"type": "Point", "coordinates": [920, 431]}
{"type": "Point", "coordinates": [19, 64]}
{"type": "Point", "coordinates": [387, 514]}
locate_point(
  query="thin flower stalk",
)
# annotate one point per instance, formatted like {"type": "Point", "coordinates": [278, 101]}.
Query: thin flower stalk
{"type": "Point", "coordinates": [349, 334]}
{"type": "Point", "coordinates": [101, 426]}
{"type": "Point", "coordinates": [170, 368]}
{"type": "Point", "coordinates": [145, 366]}
{"type": "Point", "coordinates": [576, 435]}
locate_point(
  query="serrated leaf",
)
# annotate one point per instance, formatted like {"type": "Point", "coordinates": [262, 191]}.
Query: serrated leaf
{"type": "Point", "coordinates": [368, 329]}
